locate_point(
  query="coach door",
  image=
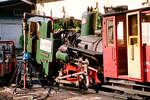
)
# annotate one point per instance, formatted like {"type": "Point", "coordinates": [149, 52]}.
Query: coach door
{"type": "Point", "coordinates": [109, 47]}
{"type": "Point", "coordinates": [134, 46]}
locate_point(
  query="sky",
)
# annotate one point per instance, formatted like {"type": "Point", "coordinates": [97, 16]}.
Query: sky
{"type": "Point", "coordinates": [77, 7]}
{"type": "Point", "coordinates": [72, 7]}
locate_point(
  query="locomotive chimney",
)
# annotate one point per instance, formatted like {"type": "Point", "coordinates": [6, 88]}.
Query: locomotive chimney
{"type": "Point", "coordinates": [88, 23]}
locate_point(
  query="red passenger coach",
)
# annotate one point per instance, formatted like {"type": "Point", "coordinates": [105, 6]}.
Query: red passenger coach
{"type": "Point", "coordinates": [126, 45]}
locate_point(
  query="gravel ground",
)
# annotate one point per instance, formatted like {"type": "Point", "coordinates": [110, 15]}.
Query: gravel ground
{"type": "Point", "coordinates": [38, 93]}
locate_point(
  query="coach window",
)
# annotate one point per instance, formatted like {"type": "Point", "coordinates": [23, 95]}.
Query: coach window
{"type": "Point", "coordinates": [110, 32]}
{"type": "Point", "coordinates": [120, 33]}
{"type": "Point", "coordinates": [146, 28]}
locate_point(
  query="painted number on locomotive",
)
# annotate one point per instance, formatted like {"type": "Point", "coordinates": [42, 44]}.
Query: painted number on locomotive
{"type": "Point", "coordinates": [45, 45]}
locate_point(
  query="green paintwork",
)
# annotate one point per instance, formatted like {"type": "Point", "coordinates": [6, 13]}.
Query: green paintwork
{"type": "Point", "coordinates": [44, 57]}
{"type": "Point", "coordinates": [21, 41]}
{"type": "Point", "coordinates": [29, 46]}
{"type": "Point", "coordinates": [61, 56]}
{"type": "Point", "coordinates": [40, 59]}
{"type": "Point", "coordinates": [88, 23]}
{"type": "Point", "coordinates": [38, 52]}
{"type": "Point", "coordinates": [29, 42]}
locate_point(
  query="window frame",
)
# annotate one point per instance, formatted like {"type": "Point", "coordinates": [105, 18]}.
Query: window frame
{"type": "Point", "coordinates": [142, 18]}
{"type": "Point", "coordinates": [124, 39]}
{"type": "Point", "coordinates": [107, 41]}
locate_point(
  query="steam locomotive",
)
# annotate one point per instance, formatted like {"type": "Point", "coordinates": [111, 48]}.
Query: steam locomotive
{"type": "Point", "coordinates": [117, 52]}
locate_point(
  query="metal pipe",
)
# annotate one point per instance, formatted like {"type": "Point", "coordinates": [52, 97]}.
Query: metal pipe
{"type": "Point", "coordinates": [75, 74]}
{"type": "Point", "coordinates": [93, 69]}
{"type": "Point", "coordinates": [66, 82]}
{"type": "Point", "coordinates": [86, 72]}
{"type": "Point", "coordinates": [28, 2]}
{"type": "Point", "coordinates": [25, 50]}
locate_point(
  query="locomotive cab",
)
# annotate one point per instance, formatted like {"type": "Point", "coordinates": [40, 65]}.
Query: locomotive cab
{"type": "Point", "coordinates": [126, 45]}
{"type": "Point", "coordinates": [41, 43]}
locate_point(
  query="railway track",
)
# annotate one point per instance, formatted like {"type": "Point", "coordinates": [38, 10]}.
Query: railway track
{"type": "Point", "coordinates": [115, 92]}
{"type": "Point", "coordinates": [111, 90]}
{"type": "Point", "coordinates": [114, 89]}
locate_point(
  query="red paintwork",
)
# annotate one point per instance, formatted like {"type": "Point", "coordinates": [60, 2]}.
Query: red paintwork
{"type": "Point", "coordinates": [91, 73]}
{"type": "Point", "coordinates": [71, 68]}
{"type": "Point", "coordinates": [109, 53]}
{"type": "Point", "coordinates": [115, 56]}
{"type": "Point", "coordinates": [8, 67]}
{"type": "Point", "coordinates": [148, 11]}
{"type": "Point", "coordinates": [141, 49]}
{"type": "Point", "coordinates": [146, 60]}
